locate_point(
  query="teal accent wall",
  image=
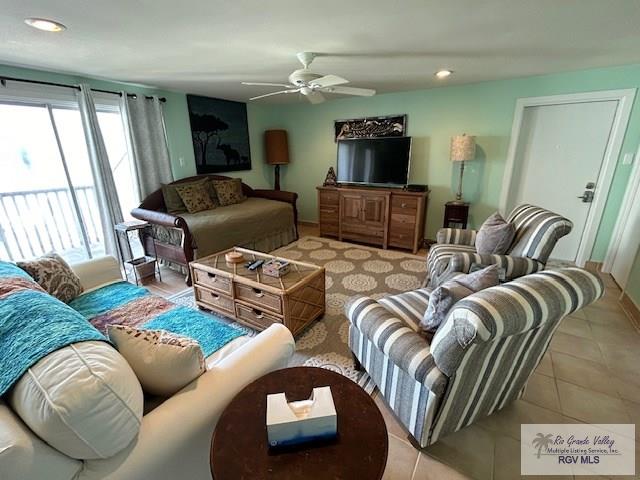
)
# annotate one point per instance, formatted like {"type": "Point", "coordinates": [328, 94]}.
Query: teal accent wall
{"type": "Point", "coordinates": [482, 109]}
{"type": "Point", "coordinates": [434, 115]}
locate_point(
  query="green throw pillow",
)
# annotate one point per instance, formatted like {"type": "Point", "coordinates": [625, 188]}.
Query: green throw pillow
{"type": "Point", "coordinates": [195, 197]}
{"type": "Point", "coordinates": [173, 201]}
{"type": "Point", "coordinates": [229, 192]}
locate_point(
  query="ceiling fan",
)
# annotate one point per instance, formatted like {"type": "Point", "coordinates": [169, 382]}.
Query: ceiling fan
{"type": "Point", "coordinates": [312, 85]}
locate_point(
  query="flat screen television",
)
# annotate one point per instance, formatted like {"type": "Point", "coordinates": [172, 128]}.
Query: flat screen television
{"type": "Point", "coordinates": [374, 161]}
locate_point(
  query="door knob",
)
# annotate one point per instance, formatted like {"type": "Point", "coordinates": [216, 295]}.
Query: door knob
{"type": "Point", "coordinates": [587, 196]}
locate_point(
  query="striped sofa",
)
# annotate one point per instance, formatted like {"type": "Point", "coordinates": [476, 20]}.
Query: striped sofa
{"type": "Point", "coordinates": [537, 232]}
{"type": "Point", "coordinates": [479, 359]}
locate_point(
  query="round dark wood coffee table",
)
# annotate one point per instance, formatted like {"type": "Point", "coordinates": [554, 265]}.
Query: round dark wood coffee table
{"type": "Point", "coordinates": [240, 450]}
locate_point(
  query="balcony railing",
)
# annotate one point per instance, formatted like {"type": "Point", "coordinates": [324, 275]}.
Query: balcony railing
{"type": "Point", "coordinates": [35, 222]}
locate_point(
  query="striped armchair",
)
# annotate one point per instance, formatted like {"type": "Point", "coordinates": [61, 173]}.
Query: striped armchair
{"type": "Point", "coordinates": [479, 359]}
{"type": "Point", "coordinates": [537, 232]}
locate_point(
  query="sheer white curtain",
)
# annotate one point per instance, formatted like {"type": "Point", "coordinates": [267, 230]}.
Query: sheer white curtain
{"type": "Point", "coordinates": [147, 142]}
{"type": "Point", "coordinates": [106, 193]}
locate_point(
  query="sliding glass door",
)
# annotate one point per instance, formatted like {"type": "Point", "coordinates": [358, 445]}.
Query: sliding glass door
{"type": "Point", "coordinates": [38, 213]}
{"type": "Point", "coordinates": [47, 192]}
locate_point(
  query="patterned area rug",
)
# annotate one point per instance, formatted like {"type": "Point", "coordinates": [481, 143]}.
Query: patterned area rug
{"type": "Point", "coordinates": [350, 270]}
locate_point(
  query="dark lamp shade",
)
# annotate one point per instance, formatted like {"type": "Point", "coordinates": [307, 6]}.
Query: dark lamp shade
{"type": "Point", "coordinates": [276, 147]}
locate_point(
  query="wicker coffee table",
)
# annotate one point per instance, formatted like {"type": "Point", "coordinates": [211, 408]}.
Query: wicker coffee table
{"type": "Point", "coordinates": [239, 448]}
{"type": "Point", "coordinates": [255, 299]}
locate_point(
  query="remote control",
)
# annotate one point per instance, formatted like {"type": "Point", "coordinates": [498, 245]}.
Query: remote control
{"type": "Point", "coordinates": [255, 265]}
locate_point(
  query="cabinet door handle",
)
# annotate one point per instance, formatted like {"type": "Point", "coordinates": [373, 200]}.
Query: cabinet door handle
{"type": "Point", "coordinates": [215, 297]}
{"type": "Point", "coordinates": [258, 314]}
{"type": "Point", "coordinates": [212, 276]}
{"type": "Point", "coordinates": [258, 293]}
{"type": "Point", "coordinates": [403, 205]}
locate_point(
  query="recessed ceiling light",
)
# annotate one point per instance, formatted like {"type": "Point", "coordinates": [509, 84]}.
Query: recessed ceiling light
{"type": "Point", "coordinates": [44, 24]}
{"type": "Point", "coordinates": [443, 73]}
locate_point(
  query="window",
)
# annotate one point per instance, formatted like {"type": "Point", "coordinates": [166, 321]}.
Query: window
{"type": "Point", "coordinates": [47, 194]}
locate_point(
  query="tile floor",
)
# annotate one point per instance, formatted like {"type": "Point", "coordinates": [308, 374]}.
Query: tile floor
{"type": "Point", "coordinates": [591, 373]}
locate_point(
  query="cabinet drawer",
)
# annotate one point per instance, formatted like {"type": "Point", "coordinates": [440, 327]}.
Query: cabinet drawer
{"type": "Point", "coordinates": [255, 317]}
{"type": "Point", "coordinates": [324, 225]}
{"type": "Point", "coordinates": [401, 202]}
{"type": "Point", "coordinates": [329, 198]}
{"type": "Point", "coordinates": [364, 230]}
{"type": "Point", "coordinates": [403, 221]}
{"type": "Point", "coordinates": [216, 300]}
{"type": "Point", "coordinates": [329, 210]}
{"type": "Point", "coordinates": [402, 238]}
{"type": "Point", "coordinates": [329, 215]}
{"type": "Point", "coordinates": [258, 297]}
{"type": "Point", "coordinates": [212, 280]}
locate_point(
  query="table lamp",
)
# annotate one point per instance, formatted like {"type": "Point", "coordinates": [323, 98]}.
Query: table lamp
{"type": "Point", "coordinates": [463, 149]}
{"type": "Point", "coordinates": [277, 151]}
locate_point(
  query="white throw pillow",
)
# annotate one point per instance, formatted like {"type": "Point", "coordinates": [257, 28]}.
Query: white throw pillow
{"type": "Point", "coordinates": [83, 400]}
{"type": "Point", "coordinates": [164, 362]}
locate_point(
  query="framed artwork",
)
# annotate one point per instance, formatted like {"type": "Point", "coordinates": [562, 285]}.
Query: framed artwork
{"type": "Point", "coordinates": [220, 134]}
{"type": "Point", "coordinates": [389, 126]}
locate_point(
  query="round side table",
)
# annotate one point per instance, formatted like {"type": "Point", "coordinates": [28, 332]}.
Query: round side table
{"type": "Point", "coordinates": [240, 450]}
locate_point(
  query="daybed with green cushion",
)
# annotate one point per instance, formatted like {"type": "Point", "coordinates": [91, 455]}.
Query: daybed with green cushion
{"type": "Point", "coordinates": [264, 221]}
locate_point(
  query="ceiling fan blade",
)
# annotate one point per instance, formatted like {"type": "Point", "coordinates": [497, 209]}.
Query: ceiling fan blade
{"type": "Point", "coordinates": [274, 93]}
{"type": "Point", "coordinates": [327, 81]}
{"type": "Point", "coordinates": [315, 97]}
{"type": "Point", "coordinates": [261, 84]}
{"type": "Point", "coordinates": [363, 92]}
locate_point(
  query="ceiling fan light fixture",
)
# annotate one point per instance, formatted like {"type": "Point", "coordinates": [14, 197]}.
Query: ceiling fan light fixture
{"type": "Point", "coordinates": [45, 24]}
{"type": "Point", "coordinates": [311, 85]}
{"type": "Point", "coordinates": [444, 73]}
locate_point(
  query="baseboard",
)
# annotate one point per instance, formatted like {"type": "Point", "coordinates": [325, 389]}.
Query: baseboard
{"type": "Point", "coordinates": [632, 310]}
{"type": "Point", "coordinates": [593, 266]}
{"type": "Point", "coordinates": [307, 223]}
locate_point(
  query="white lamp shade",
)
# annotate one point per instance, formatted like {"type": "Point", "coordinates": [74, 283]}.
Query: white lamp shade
{"type": "Point", "coordinates": [463, 148]}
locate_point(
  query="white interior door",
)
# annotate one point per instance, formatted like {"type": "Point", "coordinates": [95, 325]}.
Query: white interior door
{"type": "Point", "coordinates": [627, 230]}
{"type": "Point", "coordinates": [558, 158]}
{"type": "Point", "coordinates": [627, 249]}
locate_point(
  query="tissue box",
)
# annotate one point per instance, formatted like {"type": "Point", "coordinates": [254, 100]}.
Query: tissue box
{"type": "Point", "coordinates": [302, 421]}
{"type": "Point", "coordinates": [275, 268]}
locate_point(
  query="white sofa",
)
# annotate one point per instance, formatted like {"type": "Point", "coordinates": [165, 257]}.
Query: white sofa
{"type": "Point", "coordinates": [174, 438]}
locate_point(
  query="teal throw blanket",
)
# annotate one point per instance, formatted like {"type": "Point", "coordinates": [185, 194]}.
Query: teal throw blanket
{"type": "Point", "coordinates": [33, 324]}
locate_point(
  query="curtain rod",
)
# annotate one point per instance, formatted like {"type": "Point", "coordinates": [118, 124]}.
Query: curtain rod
{"type": "Point", "coordinates": [3, 81]}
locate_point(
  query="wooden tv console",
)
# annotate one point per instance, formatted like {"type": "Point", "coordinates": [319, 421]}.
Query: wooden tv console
{"type": "Point", "coordinates": [387, 217]}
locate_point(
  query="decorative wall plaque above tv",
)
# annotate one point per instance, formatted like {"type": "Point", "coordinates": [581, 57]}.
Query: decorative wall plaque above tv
{"type": "Point", "coordinates": [389, 126]}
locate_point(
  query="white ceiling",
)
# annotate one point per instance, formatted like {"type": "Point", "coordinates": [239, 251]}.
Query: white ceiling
{"type": "Point", "coordinates": [210, 46]}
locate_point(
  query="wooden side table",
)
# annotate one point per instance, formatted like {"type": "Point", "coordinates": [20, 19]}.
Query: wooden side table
{"type": "Point", "coordinates": [240, 449]}
{"type": "Point", "coordinates": [456, 215]}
